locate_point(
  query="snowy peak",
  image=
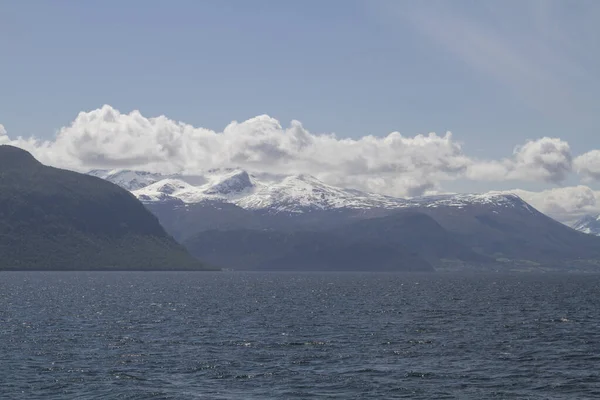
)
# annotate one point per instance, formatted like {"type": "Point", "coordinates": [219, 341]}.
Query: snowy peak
{"type": "Point", "coordinates": [163, 190]}
{"type": "Point", "coordinates": [302, 193]}
{"type": "Point", "coordinates": [170, 186]}
{"type": "Point", "coordinates": [589, 224]}
{"type": "Point", "coordinates": [231, 182]}
{"type": "Point", "coordinates": [288, 194]}
{"type": "Point", "coordinates": [294, 194]}
{"type": "Point", "coordinates": [215, 185]}
{"type": "Point", "coordinates": [127, 179]}
{"type": "Point", "coordinates": [169, 189]}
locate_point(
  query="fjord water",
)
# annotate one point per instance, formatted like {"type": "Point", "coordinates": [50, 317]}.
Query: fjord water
{"type": "Point", "coordinates": [298, 335]}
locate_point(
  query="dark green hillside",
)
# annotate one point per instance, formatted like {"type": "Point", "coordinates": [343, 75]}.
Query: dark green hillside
{"type": "Point", "coordinates": [52, 219]}
{"type": "Point", "coordinates": [517, 233]}
{"type": "Point", "coordinates": [301, 251]}
{"type": "Point", "coordinates": [405, 241]}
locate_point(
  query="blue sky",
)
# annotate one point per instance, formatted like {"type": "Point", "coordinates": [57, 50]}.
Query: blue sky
{"type": "Point", "coordinates": [495, 73]}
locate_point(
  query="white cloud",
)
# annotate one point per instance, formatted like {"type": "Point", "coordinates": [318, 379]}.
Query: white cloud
{"type": "Point", "coordinates": [106, 138]}
{"type": "Point", "coordinates": [588, 165]}
{"type": "Point", "coordinates": [566, 204]}
{"type": "Point", "coordinates": [394, 164]}
{"type": "Point", "coordinates": [546, 159]}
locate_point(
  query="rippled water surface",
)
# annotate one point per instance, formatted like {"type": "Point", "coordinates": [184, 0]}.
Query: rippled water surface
{"type": "Point", "coordinates": [285, 335]}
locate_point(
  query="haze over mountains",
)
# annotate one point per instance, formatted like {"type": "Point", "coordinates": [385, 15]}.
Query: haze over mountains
{"type": "Point", "coordinates": [240, 220]}
{"type": "Point", "coordinates": [53, 219]}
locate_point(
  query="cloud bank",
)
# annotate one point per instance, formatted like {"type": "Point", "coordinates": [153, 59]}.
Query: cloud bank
{"type": "Point", "coordinates": [546, 159]}
{"type": "Point", "coordinates": [567, 204]}
{"type": "Point", "coordinates": [588, 165]}
{"type": "Point", "coordinates": [393, 164]}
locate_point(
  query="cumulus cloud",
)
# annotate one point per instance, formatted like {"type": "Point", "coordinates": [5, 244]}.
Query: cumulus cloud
{"type": "Point", "coordinates": [394, 164]}
{"type": "Point", "coordinates": [546, 159]}
{"type": "Point", "coordinates": [588, 165]}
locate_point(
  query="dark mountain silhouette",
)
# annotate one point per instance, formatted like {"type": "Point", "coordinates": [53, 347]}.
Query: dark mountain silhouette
{"type": "Point", "coordinates": [53, 219]}
{"type": "Point", "coordinates": [417, 238]}
{"type": "Point", "coordinates": [519, 232]}
{"type": "Point", "coordinates": [404, 241]}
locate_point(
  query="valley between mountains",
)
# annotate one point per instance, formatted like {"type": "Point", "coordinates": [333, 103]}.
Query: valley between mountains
{"type": "Point", "coordinates": [235, 219]}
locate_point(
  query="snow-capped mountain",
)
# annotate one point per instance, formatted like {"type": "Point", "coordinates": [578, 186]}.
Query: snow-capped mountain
{"type": "Point", "coordinates": [234, 218]}
{"type": "Point", "coordinates": [127, 179]}
{"type": "Point", "coordinates": [232, 182]}
{"type": "Point", "coordinates": [299, 193]}
{"type": "Point", "coordinates": [589, 224]}
{"type": "Point", "coordinates": [216, 185]}
{"type": "Point", "coordinates": [277, 194]}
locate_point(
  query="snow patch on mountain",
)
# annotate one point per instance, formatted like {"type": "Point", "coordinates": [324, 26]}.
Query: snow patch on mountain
{"type": "Point", "coordinates": [589, 224]}
{"type": "Point", "coordinates": [226, 185]}
{"type": "Point", "coordinates": [496, 199]}
{"type": "Point", "coordinates": [170, 189]}
{"type": "Point", "coordinates": [127, 179]}
{"type": "Point", "coordinates": [289, 194]}
{"type": "Point", "coordinates": [299, 193]}
{"type": "Point", "coordinates": [229, 183]}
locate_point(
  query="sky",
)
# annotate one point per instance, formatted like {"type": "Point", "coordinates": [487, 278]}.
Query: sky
{"type": "Point", "coordinates": [399, 97]}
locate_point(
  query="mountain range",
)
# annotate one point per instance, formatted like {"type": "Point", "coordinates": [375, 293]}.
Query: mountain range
{"type": "Point", "coordinates": [237, 219]}
{"type": "Point", "coordinates": [53, 219]}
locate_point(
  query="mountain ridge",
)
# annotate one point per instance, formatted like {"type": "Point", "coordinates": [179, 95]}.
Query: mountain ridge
{"type": "Point", "coordinates": [285, 193]}
{"type": "Point", "coordinates": [298, 220]}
